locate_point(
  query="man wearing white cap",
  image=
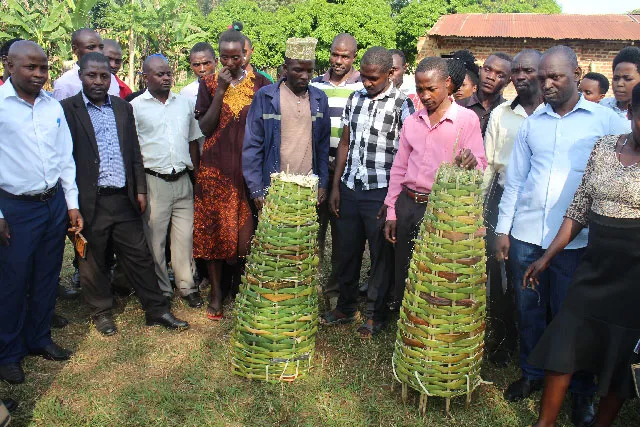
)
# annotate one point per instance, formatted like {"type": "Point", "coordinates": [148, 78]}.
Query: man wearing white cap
{"type": "Point", "coordinates": [288, 126]}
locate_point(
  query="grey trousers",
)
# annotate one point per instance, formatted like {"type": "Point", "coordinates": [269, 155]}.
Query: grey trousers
{"type": "Point", "coordinates": [171, 202]}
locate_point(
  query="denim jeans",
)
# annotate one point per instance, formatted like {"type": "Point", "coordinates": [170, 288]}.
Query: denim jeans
{"type": "Point", "coordinates": [532, 305]}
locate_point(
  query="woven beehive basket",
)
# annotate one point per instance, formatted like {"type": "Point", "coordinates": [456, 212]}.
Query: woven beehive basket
{"type": "Point", "coordinates": [277, 305]}
{"type": "Point", "coordinates": [440, 339]}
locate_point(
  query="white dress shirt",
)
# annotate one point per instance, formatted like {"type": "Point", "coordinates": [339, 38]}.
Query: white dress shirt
{"type": "Point", "coordinates": [165, 130]}
{"type": "Point", "coordinates": [546, 167]}
{"type": "Point", "coordinates": [502, 129]}
{"type": "Point", "coordinates": [69, 84]}
{"type": "Point", "coordinates": [36, 149]}
{"type": "Point", "coordinates": [191, 90]}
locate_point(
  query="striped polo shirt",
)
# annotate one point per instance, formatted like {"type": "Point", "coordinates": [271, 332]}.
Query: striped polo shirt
{"type": "Point", "coordinates": [338, 96]}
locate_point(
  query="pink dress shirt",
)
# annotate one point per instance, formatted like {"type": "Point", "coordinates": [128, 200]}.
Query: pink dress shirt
{"type": "Point", "coordinates": [423, 148]}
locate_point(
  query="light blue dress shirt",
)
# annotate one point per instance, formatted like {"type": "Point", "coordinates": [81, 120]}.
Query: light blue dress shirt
{"type": "Point", "coordinates": [613, 104]}
{"type": "Point", "coordinates": [546, 167]}
{"type": "Point", "coordinates": [36, 150]}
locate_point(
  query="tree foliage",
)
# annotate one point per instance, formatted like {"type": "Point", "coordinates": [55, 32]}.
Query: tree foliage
{"type": "Point", "coordinates": [171, 27]}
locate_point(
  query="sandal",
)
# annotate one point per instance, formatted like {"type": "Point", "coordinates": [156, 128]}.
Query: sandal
{"type": "Point", "coordinates": [335, 317]}
{"type": "Point", "coordinates": [213, 314]}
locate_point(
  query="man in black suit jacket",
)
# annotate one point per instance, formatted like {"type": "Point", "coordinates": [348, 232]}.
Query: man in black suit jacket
{"type": "Point", "coordinates": [112, 196]}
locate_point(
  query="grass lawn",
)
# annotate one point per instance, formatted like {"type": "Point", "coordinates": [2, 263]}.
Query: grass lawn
{"type": "Point", "coordinates": [153, 377]}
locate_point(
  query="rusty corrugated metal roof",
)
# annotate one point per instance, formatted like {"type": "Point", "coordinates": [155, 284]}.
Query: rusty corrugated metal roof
{"type": "Point", "coordinates": [539, 26]}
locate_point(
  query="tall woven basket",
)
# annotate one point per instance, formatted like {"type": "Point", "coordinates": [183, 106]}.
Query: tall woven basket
{"type": "Point", "coordinates": [440, 339]}
{"type": "Point", "coordinates": [277, 306]}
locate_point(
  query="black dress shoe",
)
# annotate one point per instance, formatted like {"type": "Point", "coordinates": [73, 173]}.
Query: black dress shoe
{"type": "Point", "coordinates": [105, 324]}
{"type": "Point", "coordinates": [65, 292]}
{"type": "Point", "coordinates": [168, 320]}
{"type": "Point", "coordinates": [522, 389]}
{"type": "Point", "coordinates": [582, 412]}
{"type": "Point", "coordinates": [52, 352]}
{"type": "Point", "coordinates": [194, 300]}
{"type": "Point", "coordinates": [10, 404]}
{"type": "Point", "coordinates": [12, 373]}
{"type": "Point", "coordinates": [59, 322]}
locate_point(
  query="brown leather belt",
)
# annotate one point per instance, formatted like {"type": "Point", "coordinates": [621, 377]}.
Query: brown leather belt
{"type": "Point", "coordinates": [169, 177]}
{"type": "Point", "coordinates": [41, 197]}
{"type": "Point", "coordinates": [417, 197]}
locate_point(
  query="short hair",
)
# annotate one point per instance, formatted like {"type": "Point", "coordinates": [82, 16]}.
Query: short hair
{"type": "Point", "coordinates": [635, 99]}
{"type": "Point", "coordinates": [400, 53]}
{"type": "Point", "coordinates": [345, 37]}
{"type": "Point", "coordinates": [78, 32]}
{"type": "Point", "coordinates": [434, 63]}
{"type": "Point", "coordinates": [112, 43]}
{"type": "Point", "coordinates": [469, 60]}
{"type": "Point", "coordinates": [4, 50]}
{"type": "Point", "coordinates": [457, 71]}
{"type": "Point", "coordinates": [603, 81]}
{"type": "Point", "coordinates": [233, 35]}
{"type": "Point", "coordinates": [503, 56]}
{"type": "Point", "coordinates": [378, 55]}
{"type": "Point", "coordinates": [566, 52]}
{"type": "Point", "coordinates": [628, 54]}
{"type": "Point", "coordinates": [202, 47]}
{"type": "Point", "coordinates": [145, 64]}
{"type": "Point", "coordinates": [529, 51]}
{"type": "Point", "coordinates": [92, 57]}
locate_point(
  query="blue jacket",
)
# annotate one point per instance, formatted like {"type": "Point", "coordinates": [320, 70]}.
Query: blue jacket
{"type": "Point", "coordinates": [261, 149]}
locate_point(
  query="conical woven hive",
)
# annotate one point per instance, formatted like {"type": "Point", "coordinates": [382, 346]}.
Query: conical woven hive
{"type": "Point", "coordinates": [440, 339]}
{"type": "Point", "coordinates": [277, 305]}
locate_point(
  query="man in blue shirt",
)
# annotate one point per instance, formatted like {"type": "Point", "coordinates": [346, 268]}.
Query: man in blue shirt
{"type": "Point", "coordinates": [545, 169]}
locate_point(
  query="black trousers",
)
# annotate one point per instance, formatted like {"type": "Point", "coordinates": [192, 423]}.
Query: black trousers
{"type": "Point", "coordinates": [409, 215]}
{"type": "Point", "coordinates": [358, 224]}
{"type": "Point", "coordinates": [326, 218]}
{"type": "Point", "coordinates": [116, 224]}
{"type": "Point", "coordinates": [502, 332]}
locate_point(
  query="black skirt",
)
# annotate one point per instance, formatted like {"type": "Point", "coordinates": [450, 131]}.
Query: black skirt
{"type": "Point", "coordinates": [598, 326]}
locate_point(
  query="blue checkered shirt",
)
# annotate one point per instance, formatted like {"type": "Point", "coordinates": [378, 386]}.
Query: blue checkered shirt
{"type": "Point", "coordinates": [111, 172]}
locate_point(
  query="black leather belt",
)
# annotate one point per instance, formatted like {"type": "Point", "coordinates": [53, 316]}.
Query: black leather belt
{"type": "Point", "coordinates": [41, 197]}
{"type": "Point", "coordinates": [110, 191]}
{"type": "Point", "coordinates": [416, 196]}
{"type": "Point", "coordinates": [169, 177]}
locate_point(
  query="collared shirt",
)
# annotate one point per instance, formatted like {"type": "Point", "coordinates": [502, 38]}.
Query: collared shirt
{"type": "Point", "coordinates": [613, 104]}
{"type": "Point", "coordinates": [124, 89]}
{"type": "Point", "coordinates": [165, 130]}
{"type": "Point", "coordinates": [502, 130]}
{"type": "Point", "coordinates": [36, 149]}
{"type": "Point", "coordinates": [111, 172]}
{"type": "Point", "coordinates": [374, 126]}
{"type": "Point", "coordinates": [69, 84]}
{"type": "Point", "coordinates": [338, 96]}
{"type": "Point", "coordinates": [546, 167]}
{"type": "Point", "coordinates": [423, 148]}
{"type": "Point", "coordinates": [473, 103]}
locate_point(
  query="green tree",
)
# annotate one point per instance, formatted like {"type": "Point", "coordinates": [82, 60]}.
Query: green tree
{"type": "Point", "coordinates": [47, 23]}
{"type": "Point", "coordinates": [511, 6]}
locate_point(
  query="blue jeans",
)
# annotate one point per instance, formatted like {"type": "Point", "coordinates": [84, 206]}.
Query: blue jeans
{"type": "Point", "coordinates": [532, 305]}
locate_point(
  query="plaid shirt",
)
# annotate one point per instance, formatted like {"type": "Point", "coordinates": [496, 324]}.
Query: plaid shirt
{"type": "Point", "coordinates": [374, 125]}
{"type": "Point", "coordinates": [103, 119]}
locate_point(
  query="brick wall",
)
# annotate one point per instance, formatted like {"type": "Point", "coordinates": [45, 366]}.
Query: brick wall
{"type": "Point", "coordinates": [593, 55]}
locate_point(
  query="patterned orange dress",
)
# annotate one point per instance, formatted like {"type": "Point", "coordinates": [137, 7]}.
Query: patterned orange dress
{"type": "Point", "coordinates": [223, 223]}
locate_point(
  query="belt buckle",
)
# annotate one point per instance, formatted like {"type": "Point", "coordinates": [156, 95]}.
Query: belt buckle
{"type": "Point", "coordinates": [46, 194]}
